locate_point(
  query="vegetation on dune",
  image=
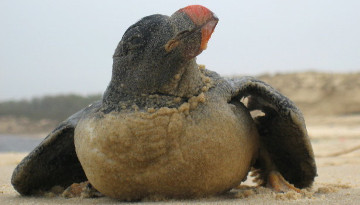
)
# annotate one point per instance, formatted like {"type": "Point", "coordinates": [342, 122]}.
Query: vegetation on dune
{"type": "Point", "coordinates": [56, 108]}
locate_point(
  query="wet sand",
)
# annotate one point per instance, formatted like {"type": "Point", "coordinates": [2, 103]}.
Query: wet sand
{"type": "Point", "coordinates": [336, 143]}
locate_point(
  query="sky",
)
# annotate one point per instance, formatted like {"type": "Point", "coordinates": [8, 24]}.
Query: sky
{"type": "Point", "coordinates": [59, 47]}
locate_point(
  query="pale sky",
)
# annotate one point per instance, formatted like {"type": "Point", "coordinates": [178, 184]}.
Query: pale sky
{"type": "Point", "coordinates": [58, 47]}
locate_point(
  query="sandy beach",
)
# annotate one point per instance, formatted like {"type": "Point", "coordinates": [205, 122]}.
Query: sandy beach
{"type": "Point", "coordinates": [335, 140]}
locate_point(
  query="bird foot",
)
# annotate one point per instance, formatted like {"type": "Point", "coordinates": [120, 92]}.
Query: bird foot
{"type": "Point", "coordinates": [277, 182]}
{"type": "Point", "coordinates": [83, 190]}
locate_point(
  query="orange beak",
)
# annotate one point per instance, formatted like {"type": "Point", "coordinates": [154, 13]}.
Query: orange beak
{"type": "Point", "coordinates": [203, 17]}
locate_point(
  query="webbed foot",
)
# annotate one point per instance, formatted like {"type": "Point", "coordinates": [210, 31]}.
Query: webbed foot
{"type": "Point", "coordinates": [277, 182]}
{"type": "Point", "coordinates": [83, 190]}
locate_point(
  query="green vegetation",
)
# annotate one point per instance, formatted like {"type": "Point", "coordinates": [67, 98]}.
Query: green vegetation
{"type": "Point", "coordinates": [56, 108]}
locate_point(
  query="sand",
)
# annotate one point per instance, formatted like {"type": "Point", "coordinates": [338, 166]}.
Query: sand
{"type": "Point", "coordinates": [336, 143]}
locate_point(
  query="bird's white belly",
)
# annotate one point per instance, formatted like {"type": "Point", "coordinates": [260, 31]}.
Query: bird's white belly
{"type": "Point", "coordinates": [170, 153]}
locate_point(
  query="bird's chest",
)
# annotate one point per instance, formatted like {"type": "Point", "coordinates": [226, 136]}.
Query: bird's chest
{"type": "Point", "coordinates": [137, 139]}
{"type": "Point", "coordinates": [142, 139]}
{"type": "Point", "coordinates": [191, 145]}
{"type": "Point", "coordinates": [134, 139]}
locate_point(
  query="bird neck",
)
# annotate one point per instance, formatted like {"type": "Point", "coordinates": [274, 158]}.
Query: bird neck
{"type": "Point", "coordinates": [186, 82]}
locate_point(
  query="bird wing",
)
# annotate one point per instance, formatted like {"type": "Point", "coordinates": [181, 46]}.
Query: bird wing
{"type": "Point", "coordinates": [53, 161]}
{"type": "Point", "coordinates": [282, 130]}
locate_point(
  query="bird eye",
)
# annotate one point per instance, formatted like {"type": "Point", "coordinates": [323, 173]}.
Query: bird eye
{"type": "Point", "coordinates": [132, 43]}
{"type": "Point", "coordinates": [135, 41]}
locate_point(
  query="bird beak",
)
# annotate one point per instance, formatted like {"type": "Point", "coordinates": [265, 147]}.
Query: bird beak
{"type": "Point", "coordinates": [203, 19]}
{"type": "Point", "coordinates": [206, 31]}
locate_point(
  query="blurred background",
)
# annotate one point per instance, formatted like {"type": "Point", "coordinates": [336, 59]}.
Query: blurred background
{"type": "Point", "coordinates": [56, 57]}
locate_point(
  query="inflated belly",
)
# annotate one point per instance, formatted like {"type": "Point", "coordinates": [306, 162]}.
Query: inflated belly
{"type": "Point", "coordinates": [166, 153]}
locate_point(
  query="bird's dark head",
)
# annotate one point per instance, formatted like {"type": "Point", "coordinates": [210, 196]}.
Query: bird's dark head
{"type": "Point", "coordinates": [157, 47]}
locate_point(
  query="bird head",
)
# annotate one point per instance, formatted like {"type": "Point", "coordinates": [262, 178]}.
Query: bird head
{"type": "Point", "coordinates": [153, 49]}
